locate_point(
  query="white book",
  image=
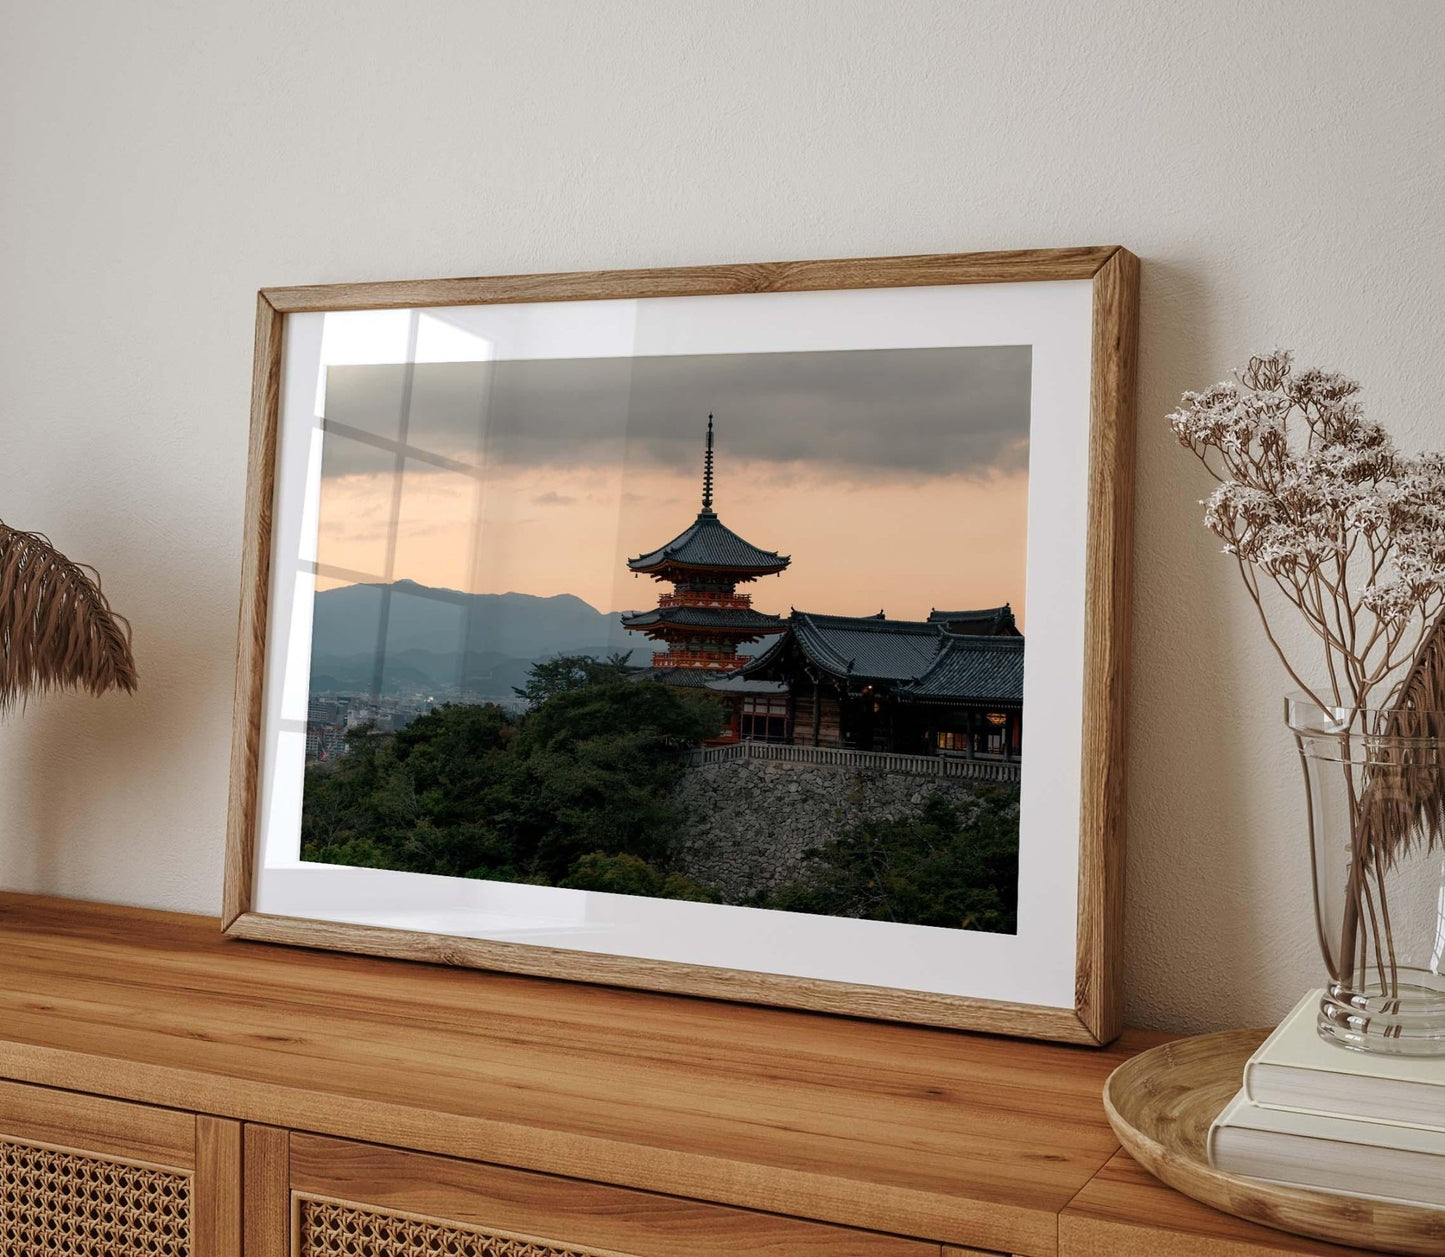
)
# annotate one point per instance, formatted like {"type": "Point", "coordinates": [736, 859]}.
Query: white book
{"type": "Point", "coordinates": [1296, 1069]}
{"type": "Point", "coordinates": [1370, 1159]}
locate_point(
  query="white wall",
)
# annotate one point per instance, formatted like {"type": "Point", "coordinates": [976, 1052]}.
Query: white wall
{"type": "Point", "coordinates": [1278, 166]}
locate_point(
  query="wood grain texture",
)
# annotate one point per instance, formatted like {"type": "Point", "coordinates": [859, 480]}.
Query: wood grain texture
{"type": "Point", "coordinates": [217, 1187]}
{"type": "Point", "coordinates": [241, 814]}
{"type": "Point", "coordinates": [1161, 1104]}
{"type": "Point", "coordinates": [266, 1191]}
{"type": "Point", "coordinates": [87, 1123]}
{"type": "Point", "coordinates": [922, 1008]}
{"type": "Point", "coordinates": [956, 1138]}
{"type": "Point", "coordinates": [563, 1210]}
{"type": "Point", "coordinates": [1014, 266]}
{"type": "Point", "coordinates": [1096, 1016]}
{"type": "Point", "coordinates": [1126, 1212]}
{"type": "Point", "coordinates": [1099, 964]}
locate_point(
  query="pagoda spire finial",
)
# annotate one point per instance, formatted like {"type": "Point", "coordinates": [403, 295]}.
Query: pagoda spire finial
{"type": "Point", "coordinates": [707, 469]}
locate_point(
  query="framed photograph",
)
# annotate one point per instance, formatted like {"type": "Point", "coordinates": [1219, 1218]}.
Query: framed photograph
{"type": "Point", "coordinates": [756, 632]}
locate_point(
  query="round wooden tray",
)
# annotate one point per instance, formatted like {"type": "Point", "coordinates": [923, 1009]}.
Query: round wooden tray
{"type": "Point", "coordinates": [1161, 1103]}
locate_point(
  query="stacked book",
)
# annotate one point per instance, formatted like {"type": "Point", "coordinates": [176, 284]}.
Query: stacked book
{"type": "Point", "coordinates": [1313, 1114]}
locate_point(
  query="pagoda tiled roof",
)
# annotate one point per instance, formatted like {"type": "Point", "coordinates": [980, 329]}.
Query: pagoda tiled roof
{"type": "Point", "coordinates": [972, 669]}
{"type": "Point", "coordinates": [730, 618]}
{"type": "Point", "coordinates": [985, 622]}
{"type": "Point", "coordinates": [709, 543]}
{"type": "Point", "coordinates": [688, 678]}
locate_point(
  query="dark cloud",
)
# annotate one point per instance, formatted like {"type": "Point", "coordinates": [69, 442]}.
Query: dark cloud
{"type": "Point", "coordinates": [861, 414]}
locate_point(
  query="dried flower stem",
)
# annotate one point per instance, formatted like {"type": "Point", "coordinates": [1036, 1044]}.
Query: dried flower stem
{"type": "Point", "coordinates": [1314, 498]}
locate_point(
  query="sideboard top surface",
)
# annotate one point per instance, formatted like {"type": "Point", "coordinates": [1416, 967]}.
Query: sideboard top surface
{"type": "Point", "coordinates": [957, 1137]}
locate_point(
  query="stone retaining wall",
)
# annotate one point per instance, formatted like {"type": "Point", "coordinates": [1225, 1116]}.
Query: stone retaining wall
{"type": "Point", "coordinates": [750, 822]}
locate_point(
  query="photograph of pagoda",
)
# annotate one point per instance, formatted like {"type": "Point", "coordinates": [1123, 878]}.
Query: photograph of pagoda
{"type": "Point", "coordinates": [485, 703]}
{"type": "Point", "coordinates": [704, 620]}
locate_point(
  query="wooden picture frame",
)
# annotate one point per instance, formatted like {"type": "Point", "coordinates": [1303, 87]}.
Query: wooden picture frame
{"type": "Point", "coordinates": [1113, 276]}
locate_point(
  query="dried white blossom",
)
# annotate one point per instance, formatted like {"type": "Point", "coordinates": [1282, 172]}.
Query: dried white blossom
{"type": "Point", "coordinates": [1314, 494]}
{"type": "Point", "coordinates": [1390, 602]}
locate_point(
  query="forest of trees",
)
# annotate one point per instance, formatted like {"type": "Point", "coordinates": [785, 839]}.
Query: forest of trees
{"type": "Point", "coordinates": [577, 792]}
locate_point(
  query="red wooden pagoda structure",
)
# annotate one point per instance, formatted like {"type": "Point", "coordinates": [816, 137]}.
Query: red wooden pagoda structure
{"type": "Point", "coordinates": [704, 620]}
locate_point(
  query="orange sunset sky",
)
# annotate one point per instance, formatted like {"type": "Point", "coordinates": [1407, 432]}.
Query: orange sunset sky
{"type": "Point", "coordinates": [896, 480]}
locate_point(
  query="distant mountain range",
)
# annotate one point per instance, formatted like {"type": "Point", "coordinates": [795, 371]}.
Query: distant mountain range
{"type": "Point", "coordinates": [484, 643]}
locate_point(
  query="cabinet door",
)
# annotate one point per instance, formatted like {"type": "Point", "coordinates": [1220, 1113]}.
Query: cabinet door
{"type": "Point", "coordinates": [80, 1176]}
{"type": "Point", "coordinates": [343, 1199]}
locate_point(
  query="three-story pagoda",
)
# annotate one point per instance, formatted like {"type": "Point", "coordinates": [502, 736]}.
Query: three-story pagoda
{"type": "Point", "coordinates": [704, 620]}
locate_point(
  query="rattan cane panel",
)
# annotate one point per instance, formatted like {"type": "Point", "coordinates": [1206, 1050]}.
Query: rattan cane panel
{"type": "Point", "coordinates": [330, 1228]}
{"type": "Point", "coordinates": [59, 1203]}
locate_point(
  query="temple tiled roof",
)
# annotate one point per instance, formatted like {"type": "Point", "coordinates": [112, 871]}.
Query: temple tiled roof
{"type": "Point", "coordinates": [736, 683]}
{"type": "Point", "coordinates": [985, 622]}
{"type": "Point", "coordinates": [919, 660]}
{"type": "Point", "coordinates": [709, 543]}
{"type": "Point", "coordinates": [972, 669]}
{"type": "Point", "coordinates": [730, 619]}
{"type": "Point", "coordinates": [861, 648]}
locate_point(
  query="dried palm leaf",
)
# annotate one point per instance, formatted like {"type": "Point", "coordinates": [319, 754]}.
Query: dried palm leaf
{"type": "Point", "coordinates": [57, 631]}
{"type": "Point", "coordinates": [1403, 802]}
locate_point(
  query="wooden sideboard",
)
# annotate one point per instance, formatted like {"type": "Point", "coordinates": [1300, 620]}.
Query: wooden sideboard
{"type": "Point", "coordinates": [166, 1091]}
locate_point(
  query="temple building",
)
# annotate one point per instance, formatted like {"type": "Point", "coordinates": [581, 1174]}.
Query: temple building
{"type": "Point", "coordinates": [915, 687]}
{"type": "Point", "coordinates": [704, 620]}
{"type": "Point", "coordinates": [992, 622]}
{"type": "Point", "coordinates": [948, 685]}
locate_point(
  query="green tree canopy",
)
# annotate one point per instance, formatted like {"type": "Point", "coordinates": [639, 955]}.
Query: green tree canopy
{"type": "Point", "coordinates": [472, 791]}
{"type": "Point", "coordinates": [578, 792]}
{"type": "Point", "coordinates": [627, 875]}
{"type": "Point", "coordinates": [668, 720]}
{"type": "Point", "coordinates": [570, 672]}
{"type": "Point", "coordinates": [938, 869]}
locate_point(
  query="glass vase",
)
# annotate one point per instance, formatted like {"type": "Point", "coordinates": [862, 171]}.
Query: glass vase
{"type": "Point", "coordinates": [1376, 813]}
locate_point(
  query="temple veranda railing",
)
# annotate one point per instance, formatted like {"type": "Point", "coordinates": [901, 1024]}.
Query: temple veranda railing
{"type": "Point", "coordinates": [845, 757]}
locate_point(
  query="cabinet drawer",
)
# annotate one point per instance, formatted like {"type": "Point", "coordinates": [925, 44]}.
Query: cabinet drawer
{"type": "Point", "coordinates": [360, 1200]}
{"type": "Point", "coordinates": [81, 1175]}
